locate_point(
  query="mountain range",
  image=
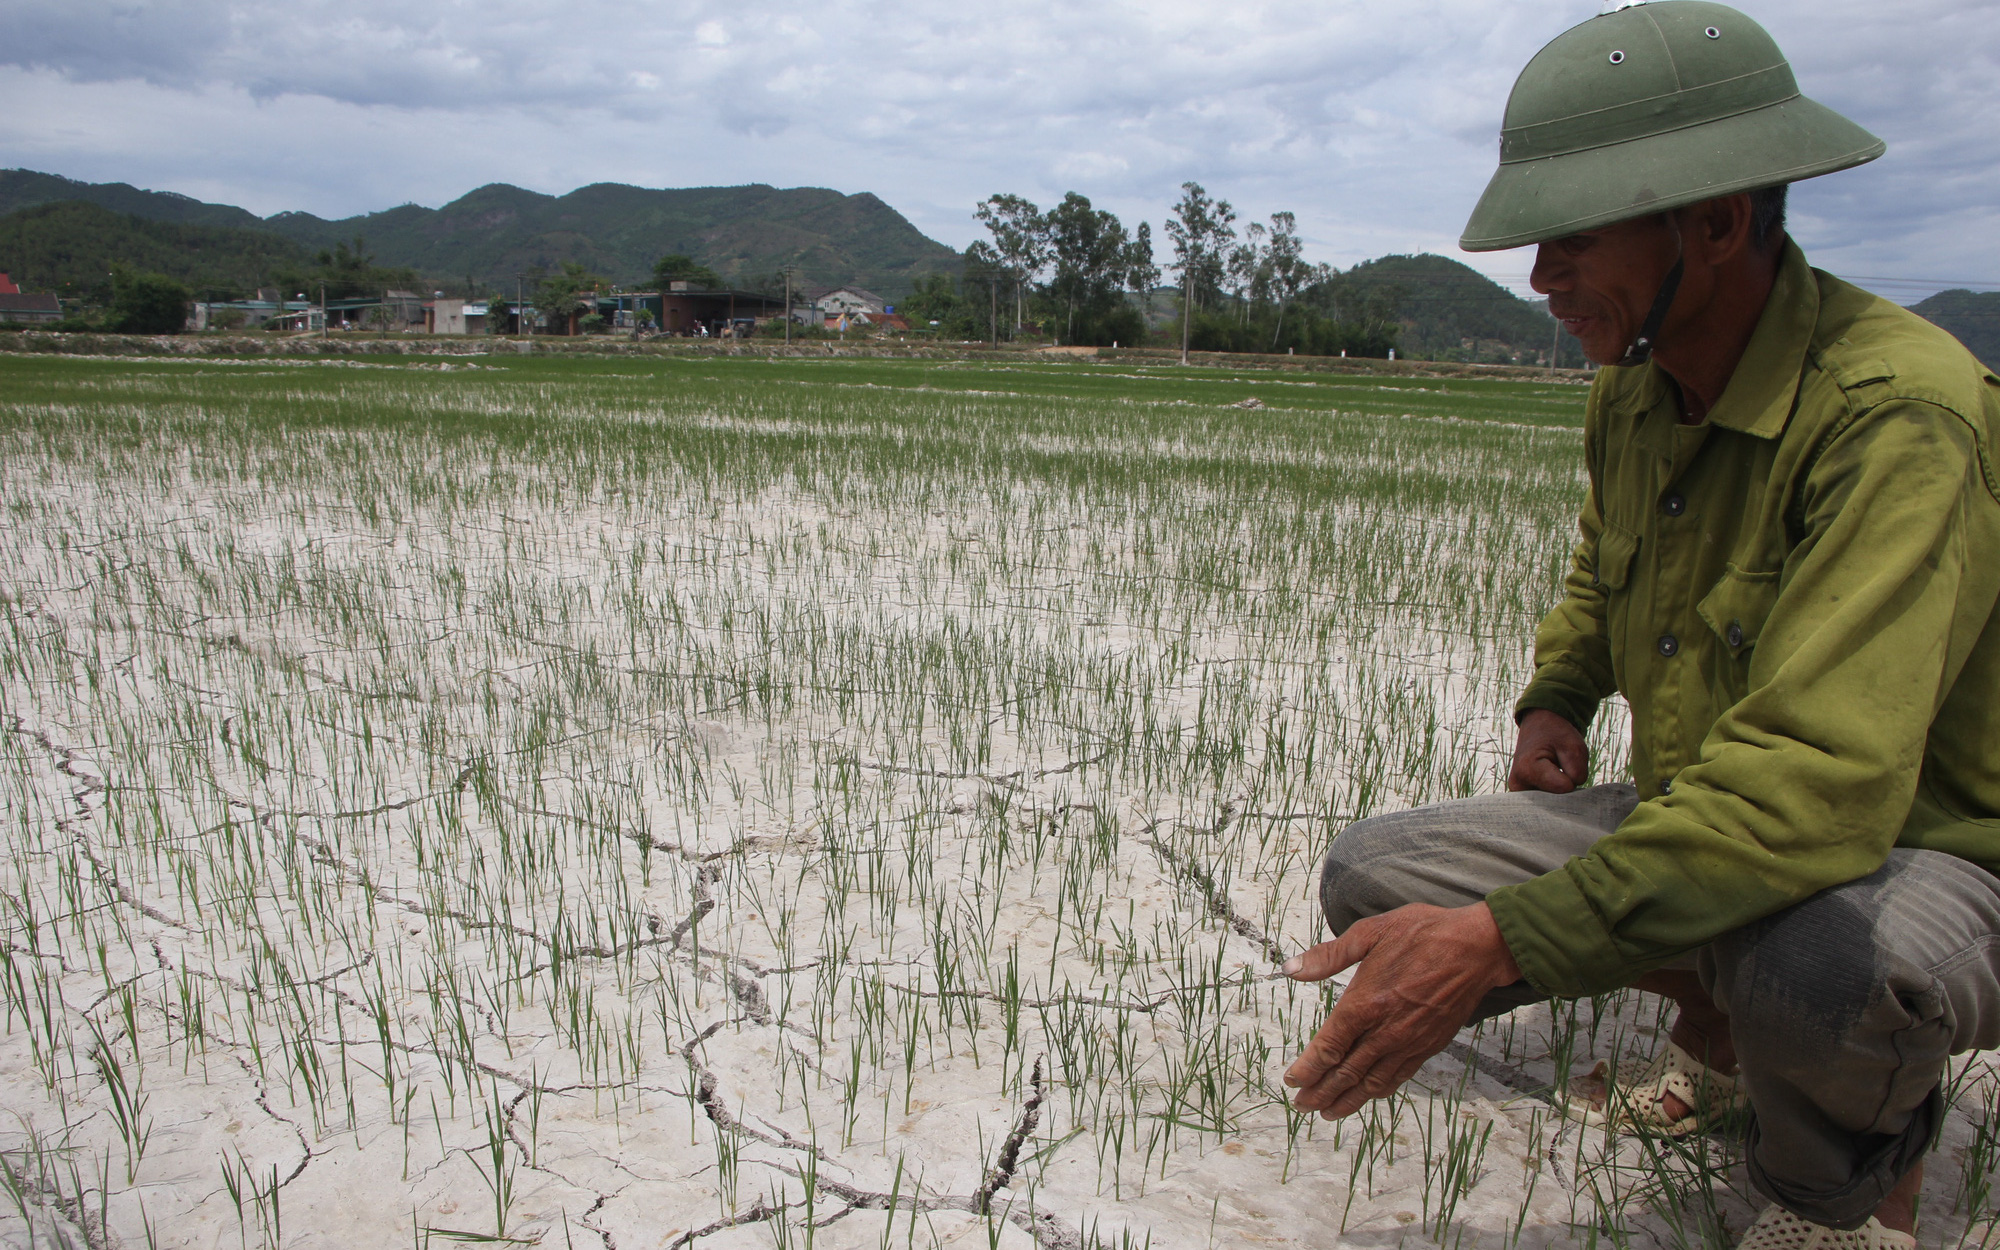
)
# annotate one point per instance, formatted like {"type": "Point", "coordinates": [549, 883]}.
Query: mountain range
{"type": "Point", "coordinates": [1974, 317]}
{"type": "Point", "coordinates": [62, 234]}
{"type": "Point", "coordinates": [745, 234]}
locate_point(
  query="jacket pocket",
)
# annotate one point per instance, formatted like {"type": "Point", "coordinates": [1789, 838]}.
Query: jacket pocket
{"type": "Point", "coordinates": [1738, 606]}
{"type": "Point", "coordinates": [1616, 547]}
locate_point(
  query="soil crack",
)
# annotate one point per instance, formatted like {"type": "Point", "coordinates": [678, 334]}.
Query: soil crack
{"type": "Point", "coordinates": [1010, 1150]}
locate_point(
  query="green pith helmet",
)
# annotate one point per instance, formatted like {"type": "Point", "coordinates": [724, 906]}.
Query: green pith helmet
{"type": "Point", "coordinates": [1646, 109]}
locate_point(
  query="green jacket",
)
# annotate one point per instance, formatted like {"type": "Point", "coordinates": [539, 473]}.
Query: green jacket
{"type": "Point", "coordinates": [1797, 599]}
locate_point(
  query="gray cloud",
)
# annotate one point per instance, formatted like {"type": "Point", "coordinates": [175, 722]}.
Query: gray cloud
{"type": "Point", "coordinates": [1375, 122]}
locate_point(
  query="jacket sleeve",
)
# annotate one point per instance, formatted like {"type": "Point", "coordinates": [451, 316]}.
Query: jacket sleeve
{"type": "Point", "coordinates": [1573, 672]}
{"type": "Point", "coordinates": [1805, 783]}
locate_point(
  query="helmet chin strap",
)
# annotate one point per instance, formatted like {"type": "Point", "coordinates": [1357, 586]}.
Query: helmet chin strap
{"type": "Point", "coordinates": [1642, 347]}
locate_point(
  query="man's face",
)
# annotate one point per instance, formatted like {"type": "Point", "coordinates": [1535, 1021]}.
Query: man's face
{"type": "Point", "coordinates": [1601, 283]}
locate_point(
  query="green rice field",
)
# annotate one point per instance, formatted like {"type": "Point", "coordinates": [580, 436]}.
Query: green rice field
{"type": "Point", "coordinates": [736, 802]}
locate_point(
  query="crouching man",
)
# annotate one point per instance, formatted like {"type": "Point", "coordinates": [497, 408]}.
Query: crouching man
{"type": "Point", "coordinates": [1789, 562]}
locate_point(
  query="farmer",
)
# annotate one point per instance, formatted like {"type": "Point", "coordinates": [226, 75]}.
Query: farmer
{"type": "Point", "coordinates": [1789, 562]}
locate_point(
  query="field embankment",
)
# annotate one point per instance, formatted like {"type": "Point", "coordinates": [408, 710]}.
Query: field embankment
{"type": "Point", "coordinates": [36, 342]}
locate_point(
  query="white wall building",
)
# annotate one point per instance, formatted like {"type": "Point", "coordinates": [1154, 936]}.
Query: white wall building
{"type": "Point", "coordinates": [847, 300]}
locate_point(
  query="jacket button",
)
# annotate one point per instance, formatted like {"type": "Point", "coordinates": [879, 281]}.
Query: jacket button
{"type": "Point", "coordinates": [1734, 634]}
{"type": "Point", "coordinates": [1674, 504]}
{"type": "Point", "coordinates": [1669, 645]}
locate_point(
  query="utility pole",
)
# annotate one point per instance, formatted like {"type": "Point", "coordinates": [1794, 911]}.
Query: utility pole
{"type": "Point", "coordinates": [788, 308]}
{"type": "Point", "coordinates": [993, 309]}
{"type": "Point", "coordinates": [520, 310]}
{"type": "Point", "coordinates": [1555, 348]}
{"type": "Point", "coordinates": [322, 310]}
{"type": "Point", "coordinates": [1187, 311]}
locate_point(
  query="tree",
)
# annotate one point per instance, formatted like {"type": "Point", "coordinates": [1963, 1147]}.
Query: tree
{"type": "Point", "coordinates": [1090, 249]}
{"type": "Point", "coordinates": [345, 271]}
{"type": "Point", "coordinates": [568, 296]}
{"type": "Point", "coordinates": [1200, 229]}
{"type": "Point", "coordinates": [70, 248]}
{"type": "Point", "coordinates": [1141, 274]}
{"type": "Point", "coordinates": [146, 303]}
{"type": "Point", "coordinates": [1246, 269]}
{"type": "Point", "coordinates": [934, 299]}
{"type": "Point", "coordinates": [675, 267]}
{"type": "Point", "coordinates": [1362, 316]}
{"type": "Point", "coordinates": [1288, 269]}
{"type": "Point", "coordinates": [1020, 238]}
{"type": "Point", "coordinates": [985, 271]}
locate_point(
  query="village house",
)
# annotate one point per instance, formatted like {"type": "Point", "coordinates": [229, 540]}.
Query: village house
{"type": "Point", "coordinates": [454, 316]}
{"type": "Point", "coordinates": [686, 309]}
{"type": "Point", "coordinates": [848, 300]}
{"type": "Point", "coordinates": [893, 322]}
{"type": "Point", "coordinates": [392, 310]}
{"type": "Point", "coordinates": [402, 310]}
{"type": "Point", "coordinates": [19, 306]}
{"type": "Point", "coordinates": [241, 314]}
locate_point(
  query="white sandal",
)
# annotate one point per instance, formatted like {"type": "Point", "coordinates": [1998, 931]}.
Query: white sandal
{"type": "Point", "coordinates": [1636, 1102]}
{"type": "Point", "coordinates": [1779, 1229]}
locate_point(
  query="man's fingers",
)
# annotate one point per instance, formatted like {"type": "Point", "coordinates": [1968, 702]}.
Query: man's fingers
{"type": "Point", "coordinates": [1373, 1060]}
{"type": "Point", "coordinates": [1374, 1070]}
{"type": "Point", "coordinates": [1317, 963]}
{"type": "Point", "coordinates": [1343, 1055]}
{"type": "Point", "coordinates": [1574, 756]}
{"type": "Point", "coordinates": [1333, 1081]}
{"type": "Point", "coordinates": [1544, 773]}
{"type": "Point", "coordinates": [1557, 780]}
{"type": "Point", "coordinates": [1550, 755]}
{"type": "Point", "coordinates": [1381, 1081]}
{"type": "Point", "coordinates": [1326, 1050]}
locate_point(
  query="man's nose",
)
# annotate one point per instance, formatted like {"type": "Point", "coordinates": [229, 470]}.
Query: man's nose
{"type": "Point", "coordinates": [1550, 272]}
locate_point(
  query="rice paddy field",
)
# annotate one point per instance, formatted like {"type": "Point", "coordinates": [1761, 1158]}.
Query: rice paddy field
{"type": "Point", "coordinates": [746, 803]}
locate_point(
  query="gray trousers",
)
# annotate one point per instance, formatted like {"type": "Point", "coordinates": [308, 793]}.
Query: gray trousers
{"type": "Point", "coordinates": [1843, 1008]}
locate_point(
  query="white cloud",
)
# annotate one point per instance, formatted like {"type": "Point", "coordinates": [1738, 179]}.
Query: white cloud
{"type": "Point", "coordinates": [1374, 122]}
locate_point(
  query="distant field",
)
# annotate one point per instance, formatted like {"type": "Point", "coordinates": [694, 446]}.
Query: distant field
{"type": "Point", "coordinates": [750, 803]}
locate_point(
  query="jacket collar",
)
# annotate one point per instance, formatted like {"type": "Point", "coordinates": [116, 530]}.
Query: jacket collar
{"type": "Point", "coordinates": [1758, 400]}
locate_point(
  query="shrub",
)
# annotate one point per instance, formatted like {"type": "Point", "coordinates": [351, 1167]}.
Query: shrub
{"type": "Point", "coordinates": [146, 303]}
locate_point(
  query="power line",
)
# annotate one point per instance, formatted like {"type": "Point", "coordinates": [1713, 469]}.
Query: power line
{"type": "Point", "coordinates": [1940, 284]}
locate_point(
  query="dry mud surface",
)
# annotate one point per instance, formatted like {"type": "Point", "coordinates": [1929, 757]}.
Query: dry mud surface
{"type": "Point", "coordinates": [761, 819]}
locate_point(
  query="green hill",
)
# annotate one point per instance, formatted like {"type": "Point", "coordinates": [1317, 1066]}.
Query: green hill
{"type": "Point", "coordinates": [71, 247]}
{"type": "Point", "coordinates": [24, 188]}
{"type": "Point", "coordinates": [1452, 311]}
{"type": "Point", "coordinates": [743, 233]}
{"type": "Point", "coordinates": [1974, 317]}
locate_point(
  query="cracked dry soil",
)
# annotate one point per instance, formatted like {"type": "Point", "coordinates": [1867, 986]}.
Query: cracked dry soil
{"type": "Point", "coordinates": [639, 824]}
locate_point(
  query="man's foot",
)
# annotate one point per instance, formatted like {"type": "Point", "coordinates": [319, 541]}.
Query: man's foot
{"type": "Point", "coordinates": [1779, 1229]}
{"type": "Point", "coordinates": [1673, 1096]}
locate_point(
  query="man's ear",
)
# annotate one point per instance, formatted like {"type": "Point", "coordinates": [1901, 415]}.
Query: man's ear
{"type": "Point", "coordinates": [1719, 228]}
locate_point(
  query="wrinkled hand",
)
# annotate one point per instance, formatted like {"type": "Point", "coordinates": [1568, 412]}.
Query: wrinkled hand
{"type": "Point", "coordinates": [1423, 970]}
{"type": "Point", "coordinates": [1549, 754]}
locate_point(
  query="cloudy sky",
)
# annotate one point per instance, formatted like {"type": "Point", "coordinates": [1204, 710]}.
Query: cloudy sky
{"type": "Point", "coordinates": [1375, 121]}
